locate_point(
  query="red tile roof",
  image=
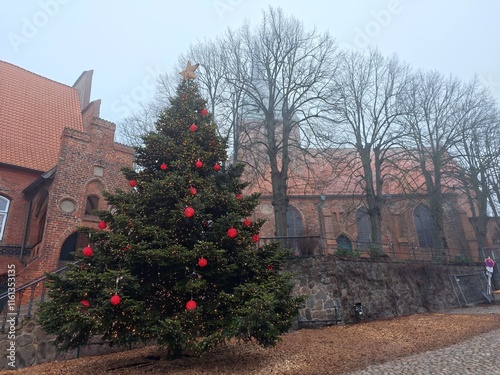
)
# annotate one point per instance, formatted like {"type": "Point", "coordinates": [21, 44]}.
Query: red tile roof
{"type": "Point", "coordinates": [34, 110]}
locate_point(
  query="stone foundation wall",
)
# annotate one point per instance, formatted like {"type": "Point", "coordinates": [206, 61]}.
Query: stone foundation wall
{"type": "Point", "coordinates": [33, 346]}
{"type": "Point", "coordinates": [385, 289]}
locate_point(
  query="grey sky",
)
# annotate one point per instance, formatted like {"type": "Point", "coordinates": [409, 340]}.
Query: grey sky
{"type": "Point", "coordinates": [129, 42]}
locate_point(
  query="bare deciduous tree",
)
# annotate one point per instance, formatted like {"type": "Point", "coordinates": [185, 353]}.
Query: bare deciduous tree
{"type": "Point", "coordinates": [284, 73]}
{"type": "Point", "coordinates": [368, 93]}
{"type": "Point", "coordinates": [436, 111]}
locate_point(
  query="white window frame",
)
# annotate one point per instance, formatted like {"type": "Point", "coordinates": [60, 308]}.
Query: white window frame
{"type": "Point", "coordinates": [3, 216]}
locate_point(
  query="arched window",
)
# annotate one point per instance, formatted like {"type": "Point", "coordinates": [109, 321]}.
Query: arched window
{"type": "Point", "coordinates": [92, 204]}
{"type": "Point", "coordinates": [363, 226]}
{"type": "Point", "coordinates": [74, 242]}
{"type": "Point", "coordinates": [344, 243]}
{"type": "Point", "coordinates": [4, 210]}
{"type": "Point", "coordinates": [293, 226]}
{"type": "Point", "coordinates": [293, 222]}
{"type": "Point", "coordinates": [423, 226]}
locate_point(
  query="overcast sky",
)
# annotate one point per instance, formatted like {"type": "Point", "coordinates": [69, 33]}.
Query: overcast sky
{"type": "Point", "coordinates": [129, 42]}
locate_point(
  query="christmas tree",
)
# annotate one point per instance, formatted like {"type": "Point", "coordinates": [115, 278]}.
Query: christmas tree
{"type": "Point", "coordinates": [176, 261]}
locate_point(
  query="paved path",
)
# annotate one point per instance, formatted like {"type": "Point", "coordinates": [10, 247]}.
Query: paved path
{"type": "Point", "coordinates": [480, 355]}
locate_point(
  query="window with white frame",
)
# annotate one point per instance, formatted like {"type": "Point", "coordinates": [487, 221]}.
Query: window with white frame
{"type": "Point", "coordinates": [4, 209]}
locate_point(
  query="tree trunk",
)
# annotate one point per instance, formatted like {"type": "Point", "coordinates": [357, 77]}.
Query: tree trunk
{"type": "Point", "coordinates": [372, 201]}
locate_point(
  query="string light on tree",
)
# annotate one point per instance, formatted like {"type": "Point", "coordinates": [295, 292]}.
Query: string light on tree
{"type": "Point", "coordinates": [159, 244]}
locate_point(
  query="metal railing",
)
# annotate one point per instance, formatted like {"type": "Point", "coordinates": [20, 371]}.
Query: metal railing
{"type": "Point", "coordinates": [13, 311]}
{"type": "Point", "coordinates": [309, 246]}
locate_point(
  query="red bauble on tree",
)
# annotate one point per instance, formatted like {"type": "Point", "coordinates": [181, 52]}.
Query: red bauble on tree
{"type": "Point", "coordinates": [87, 251]}
{"type": "Point", "coordinates": [204, 112]}
{"type": "Point", "coordinates": [198, 164]}
{"type": "Point", "coordinates": [255, 238]}
{"type": "Point", "coordinates": [193, 127]}
{"type": "Point", "coordinates": [232, 232]}
{"type": "Point", "coordinates": [247, 223]}
{"type": "Point", "coordinates": [216, 167]}
{"type": "Point", "coordinates": [102, 225]}
{"type": "Point", "coordinates": [270, 267]}
{"type": "Point", "coordinates": [163, 167]}
{"type": "Point", "coordinates": [189, 211]}
{"type": "Point", "coordinates": [192, 190]}
{"type": "Point", "coordinates": [202, 262]}
{"type": "Point", "coordinates": [128, 247]}
{"type": "Point", "coordinates": [85, 303]}
{"type": "Point", "coordinates": [132, 183]}
{"type": "Point", "coordinates": [115, 300]}
{"type": "Point", "coordinates": [238, 196]}
{"type": "Point", "coordinates": [191, 305]}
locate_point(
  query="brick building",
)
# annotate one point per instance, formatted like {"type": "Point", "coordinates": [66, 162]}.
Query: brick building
{"type": "Point", "coordinates": [327, 205]}
{"type": "Point", "coordinates": [56, 158]}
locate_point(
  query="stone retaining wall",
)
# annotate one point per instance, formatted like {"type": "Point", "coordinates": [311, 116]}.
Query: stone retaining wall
{"type": "Point", "coordinates": [33, 346]}
{"type": "Point", "coordinates": [385, 289]}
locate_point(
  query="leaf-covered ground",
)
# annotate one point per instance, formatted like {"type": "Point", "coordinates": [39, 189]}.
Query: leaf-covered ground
{"type": "Point", "coordinates": [329, 350]}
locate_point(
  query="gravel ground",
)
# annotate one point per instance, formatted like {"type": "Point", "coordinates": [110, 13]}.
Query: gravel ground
{"type": "Point", "coordinates": [459, 341]}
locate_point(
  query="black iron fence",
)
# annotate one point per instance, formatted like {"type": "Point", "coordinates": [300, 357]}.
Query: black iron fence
{"type": "Point", "coordinates": [308, 246]}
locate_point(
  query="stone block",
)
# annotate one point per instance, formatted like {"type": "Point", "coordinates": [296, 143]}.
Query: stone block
{"type": "Point", "coordinates": [329, 304]}
{"type": "Point", "coordinates": [25, 356]}
{"type": "Point", "coordinates": [320, 295]}
{"type": "Point", "coordinates": [24, 340]}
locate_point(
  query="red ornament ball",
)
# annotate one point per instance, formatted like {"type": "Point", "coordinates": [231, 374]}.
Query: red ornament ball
{"type": "Point", "coordinates": [115, 300]}
{"type": "Point", "coordinates": [239, 196]}
{"type": "Point", "coordinates": [163, 167]}
{"type": "Point", "coordinates": [128, 247]}
{"type": "Point", "coordinates": [232, 232]}
{"type": "Point", "coordinates": [216, 167]}
{"type": "Point", "coordinates": [202, 262]}
{"type": "Point", "coordinates": [191, 305]}
{"type": "Point", "coordinates": [133, 183]}
{"type": "Point", "coordinates": [193, 127]}
{"type": "Point", "coordinates": [87, 251]}
{"type": "Point", "coordinates": [270, 267]}
{"type": "Point", "coordinates": [198, 164]}
{"type": "Point", "coordinates": [204, 112]}
{"type": "Point", "coordinates": [247, 223]}
{"type": "Point", "coordinates": [255, 238]}
{"type": "Point", "coordinates": [102, 225]}
{"type": "Point", "coordinates": [192, 190]}
{"type": "Point", "coordinates": [85, 303]}
{"type": "Point", "coordinates": [189, 211]}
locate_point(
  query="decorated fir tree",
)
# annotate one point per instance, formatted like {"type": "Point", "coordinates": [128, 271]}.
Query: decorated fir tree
{"type": "Point", "coordinates": [176, 261]}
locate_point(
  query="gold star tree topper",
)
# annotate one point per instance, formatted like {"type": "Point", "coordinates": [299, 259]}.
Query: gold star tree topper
{"type": "Point", "coordinates": [189, 71]}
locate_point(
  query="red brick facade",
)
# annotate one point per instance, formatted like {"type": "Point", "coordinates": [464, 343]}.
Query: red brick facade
{"type": "Point", "coordinates": [47, 206]}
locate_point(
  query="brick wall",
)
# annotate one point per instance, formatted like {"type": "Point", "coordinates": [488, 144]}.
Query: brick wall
{"type": "Point", "coordinates": [75, 179]}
